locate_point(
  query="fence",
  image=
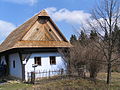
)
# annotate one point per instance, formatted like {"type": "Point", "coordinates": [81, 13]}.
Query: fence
{"type": "Point", "coordinates": [52, 75]}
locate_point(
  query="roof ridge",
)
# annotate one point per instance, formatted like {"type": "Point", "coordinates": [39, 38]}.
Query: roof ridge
{"type": "Point", "coordinates": [43, 13]}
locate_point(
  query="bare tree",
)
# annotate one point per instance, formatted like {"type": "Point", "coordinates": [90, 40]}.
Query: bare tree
{"type": "Point", "coordinates": [104, 19]}
{"type": "Point", "coordinates": [94, 57]}
{"type": "Point", "coordinates": [73, 57]}
{"type": "Point", "coordinates": [83, 53]}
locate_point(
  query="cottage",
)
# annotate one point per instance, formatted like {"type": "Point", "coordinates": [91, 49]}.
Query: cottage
{"type": "Point", "coordinates": [33, 43]}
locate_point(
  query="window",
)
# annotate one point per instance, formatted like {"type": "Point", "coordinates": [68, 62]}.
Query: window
{"type": "Point", "coordinates": [37, 60]}
{"type": "Point", "coordinates": [50, 30]}
{"type": "Point", "coordinates": [14, 64]}
{"type": "Point", "coordinates": [37, 29]}
{"type": "Point", "coordinates": [52, 60]}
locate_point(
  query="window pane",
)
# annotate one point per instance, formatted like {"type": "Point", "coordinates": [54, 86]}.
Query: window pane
{"type": "Point", "coordinates": [37, 60]}
{"type": "Point", "coordinates": [52, 60]}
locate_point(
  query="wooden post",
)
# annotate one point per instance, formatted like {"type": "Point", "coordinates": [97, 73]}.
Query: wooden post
{"type": "Point", "coordinates": [84, 71]}
{"type": "Point", "coordinates": [7, 67]}
{"type": "Point", "coordinates": [23, 66]}
{"type": "Point", "coordinates": [32, 77]}
{"type": "Point", "coordinates": [28, 77]}
{"type": "Point", "coordinates": [62, 70]}
{"type": "Point", "coordinates": [49, 73]}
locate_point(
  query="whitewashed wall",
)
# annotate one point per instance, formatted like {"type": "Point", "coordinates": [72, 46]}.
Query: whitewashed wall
{"type": "Point", "coordinates": [45, 63]}
{"type": "Point", "coordinates": [17, 71]}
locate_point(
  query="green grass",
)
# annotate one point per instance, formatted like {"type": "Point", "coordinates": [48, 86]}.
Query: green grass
{"type": "Point", "coordinates": [14, 86]}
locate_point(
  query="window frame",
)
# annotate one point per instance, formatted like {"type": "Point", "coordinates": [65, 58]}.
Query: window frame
{"type": "Point", "coordinates": [37, 60]}
{"type": "Point", "coordinates": [52, 60]}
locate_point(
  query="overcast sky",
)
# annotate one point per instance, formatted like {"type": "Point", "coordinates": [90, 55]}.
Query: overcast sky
{"type": "Point", "coordinates": [67, 14]}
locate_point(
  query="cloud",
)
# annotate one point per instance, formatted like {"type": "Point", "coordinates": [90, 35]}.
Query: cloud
{"type": "Point", "coordinates": [30, 2]}
{"type": "Point", "coordinates": [5, 29]}
{"type": "Point", "coordinates": [72, 17]}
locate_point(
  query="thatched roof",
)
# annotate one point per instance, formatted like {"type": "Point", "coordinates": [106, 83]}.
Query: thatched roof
{"type": "Point", "coordinates": [39, 31]}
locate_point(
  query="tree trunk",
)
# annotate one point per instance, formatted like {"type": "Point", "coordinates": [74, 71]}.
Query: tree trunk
{"type": "Point", "coordinates": [69, 68]}
{"type": "Point", "coordinates": [93, 75]}
{"type": "Point", "coordinates": [108, 73]}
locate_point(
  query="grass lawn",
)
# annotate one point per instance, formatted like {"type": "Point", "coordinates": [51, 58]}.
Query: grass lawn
{"type": "Point", "coordinates": [115, 76]}
{"type": "Point", "coordinates": [14, 86]}
{"type": "Point", "coordinates": [79, 84]}
{"type": "Point", "coordinates": [76, 84]}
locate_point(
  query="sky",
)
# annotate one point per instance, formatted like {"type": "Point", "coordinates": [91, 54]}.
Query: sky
{"type": "Point", "coordinates": [67, 14]}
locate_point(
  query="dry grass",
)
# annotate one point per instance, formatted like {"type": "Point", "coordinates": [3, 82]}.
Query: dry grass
{"type": "Point", "coordinates": [79, 84]}
{"type": "Point", "coordinates": [115, 76]}
{"type": "Point", "coordinates": [70, 84]}
{"type": "Point", "coordinates": [82, 84]}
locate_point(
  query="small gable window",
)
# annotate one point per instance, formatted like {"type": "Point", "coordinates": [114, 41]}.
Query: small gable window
{"type": "Point", "coordinates": [50, 30]}
{"type": "Point", "coordinates": [14, 64]}
{"type": "Point", "coordinates": [37, 29]}
{"type": "Point", "coordinates": [52, 60]}
{"type": "Point", "coordinates": [37, 60]}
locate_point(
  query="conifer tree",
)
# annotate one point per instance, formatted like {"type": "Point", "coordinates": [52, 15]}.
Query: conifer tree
{"type": "Point", "coordinates": [73, 39]}
{"type": "Point", "coordinates": [82, 38]}
{"type": "Point", "coordinates": [93, 35]}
